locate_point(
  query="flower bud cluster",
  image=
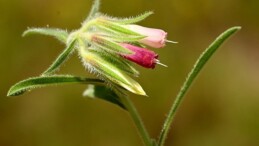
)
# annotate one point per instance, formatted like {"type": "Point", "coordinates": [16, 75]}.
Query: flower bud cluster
{"type": "Point", "coordinates": [109, 45]}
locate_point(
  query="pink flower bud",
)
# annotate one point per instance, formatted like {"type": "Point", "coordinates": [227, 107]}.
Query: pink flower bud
{"type": "Point", "coordinates": [155, 38]}
{"type": "Point", "coordinates": [141, 56]}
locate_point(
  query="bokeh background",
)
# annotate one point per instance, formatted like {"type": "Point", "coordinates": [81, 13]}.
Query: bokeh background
{"type": "Point", "coordinates": [222, 107]}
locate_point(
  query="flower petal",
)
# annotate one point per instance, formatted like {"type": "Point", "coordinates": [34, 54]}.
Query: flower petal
{"type": "Point", "coordinates": [154, 37]}
{"type": "Point", "coordinates": [141, 56]}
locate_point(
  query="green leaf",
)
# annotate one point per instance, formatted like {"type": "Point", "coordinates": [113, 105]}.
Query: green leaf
{"type": "Point", "coordinates": [61, 35]}
{"type": "Point", "coordinates": [201, 61]}
{"type": "Point", "coordinates": [60, 59]}
{"type": "Point", "coordinates": [132, 19]}
{"type": "Point", "coordinates": [37, 82]}
{"type": "Point", "coordinates": [104, 93]}
{"type": "Point", "coordinates": [94, 10]}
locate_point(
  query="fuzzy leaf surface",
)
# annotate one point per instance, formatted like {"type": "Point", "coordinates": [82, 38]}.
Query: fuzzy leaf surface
{"type": "Point", "coordinates": [94, 9]}
{"type": "Point", "coordinates": [43, 81]}
{"type": "Point", "coordinates": [59, 34]}
{"type": "Point", "coordinates": [198, 66]}
{"type": "Point", "coordinates": [60, 59]}
{"type": "Point", "coordinates": [132, 19]}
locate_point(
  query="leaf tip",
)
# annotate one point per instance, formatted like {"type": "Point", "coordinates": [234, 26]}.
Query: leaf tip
{"type": "Point", "coordinates": [25, 33]}
{"type": "Point", "coordinates": [11, 92]}
{"type": "Point", "coordinates": [139, 90]}
{"type": "Point", "coordinates": [238, 27]}
{"type": "Point", "coordinates": [235, 28]}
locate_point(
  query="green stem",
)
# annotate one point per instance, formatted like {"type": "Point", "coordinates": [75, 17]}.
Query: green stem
{"type": "Point", "coordinates": [137, 120]}
{"type": "Point", "coordinates": [204, 57]}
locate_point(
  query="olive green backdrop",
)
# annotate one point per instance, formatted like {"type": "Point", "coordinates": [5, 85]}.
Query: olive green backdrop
{"type": "Point", "coordinates": [221, 109]}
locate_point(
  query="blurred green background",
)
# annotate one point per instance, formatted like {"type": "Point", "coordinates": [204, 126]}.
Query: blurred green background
{"type": "Point", "coordinates": [222, 107]}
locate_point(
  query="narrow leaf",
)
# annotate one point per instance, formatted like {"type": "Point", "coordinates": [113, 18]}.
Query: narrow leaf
{"type": "Point", "coordinates": [104, 93]}
{"type": "Point", "coordinates": [60, 59]}
{"type": "Point", "coordinates": [37, 82]}
{"type": "Point", "coordinates": [132, 19]}
{"type": "Point", "coordinates": [61, 35]}
{"type": "Point", "coordinates": [199, 64]}
{"type": "Point", "coordinates": [94, 9]}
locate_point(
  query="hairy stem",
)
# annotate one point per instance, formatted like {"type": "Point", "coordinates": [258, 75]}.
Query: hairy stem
{"type": "Point", "coordinates": [137, 120]}
{"type": "Point", "coordinates": [202, 60]}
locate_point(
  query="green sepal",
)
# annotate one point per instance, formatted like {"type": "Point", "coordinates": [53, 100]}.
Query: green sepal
{"type": "Point", "coordinates": [106, 31]}
{"type": "Point", "coordinates": [122, 38]}
{"type": "Point", "coordinates": [109, 71]}
{"type": "Point", "coordinates": [123, 64]}
{"type": "Point", "coordinates": [109, 45]}
{"type": "Point", "coordinates": [138, 44]}
{"type": "Point", "coordinates": [94, 10]}
{"type": "Point", "coordinates": [118, 61]}
{"type": "Point", "coordinates": [59, 34]}
{"type": "Point", "coordinates": [60, 59]}
{"type": "Point", "coordinates": [104, 93]}
{"type": "Point", "coordinates": [116, 27]}
{"type": "Point", "coordinates": [42, 81]}
{"type": "Point", "coordinates": [119, 36]}
{"type": "Point", "coordinates": [132, 19]}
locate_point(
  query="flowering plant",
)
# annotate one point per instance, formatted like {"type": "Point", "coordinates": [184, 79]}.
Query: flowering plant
{"type": "Point", "coordinates": [107, 47]}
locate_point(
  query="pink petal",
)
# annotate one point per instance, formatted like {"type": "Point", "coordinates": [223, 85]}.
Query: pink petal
{"type": "Point", "coordinates": [154, 37]}
{"type": "Point", "coordinates": [142, 56]}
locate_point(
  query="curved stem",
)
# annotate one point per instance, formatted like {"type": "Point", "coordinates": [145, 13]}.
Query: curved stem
{"type": "Point", "coordinates": [204, 57]}
{"type": "Point", "coordinates": [137, 120]}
